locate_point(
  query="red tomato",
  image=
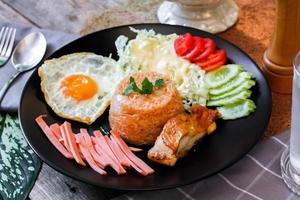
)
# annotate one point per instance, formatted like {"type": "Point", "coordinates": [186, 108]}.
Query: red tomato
{"type": "Point", "coordinates": [198, 47]}
{"type": "Point", "coordinates": [201, 51]}
{"type": "Point", "coordinates": [214, 66]}
{"type": "Point", "coordinates": [183, 44]}
{"type": "Point", "coordinates": [209, 46]}
{"type": "Point", "coordinates": [214, 60]}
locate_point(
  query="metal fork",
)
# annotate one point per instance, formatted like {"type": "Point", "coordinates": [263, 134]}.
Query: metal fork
{"type": "Point", "coordinates": [7, 38]}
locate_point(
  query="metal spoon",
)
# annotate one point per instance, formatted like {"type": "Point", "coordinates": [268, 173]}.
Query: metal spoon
{"type": "Point", "coordinates": [27, 54]}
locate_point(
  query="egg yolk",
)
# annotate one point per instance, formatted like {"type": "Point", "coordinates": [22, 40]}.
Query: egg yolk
{"type": "Point", "coordinates": [79, 87]}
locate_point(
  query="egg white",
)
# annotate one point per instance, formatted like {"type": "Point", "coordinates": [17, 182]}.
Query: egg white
{"type": "Point", "coordinates": [102, 70]}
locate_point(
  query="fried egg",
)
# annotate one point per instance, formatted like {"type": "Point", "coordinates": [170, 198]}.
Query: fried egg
{"type": "Point", "coordinates": [79, 86]}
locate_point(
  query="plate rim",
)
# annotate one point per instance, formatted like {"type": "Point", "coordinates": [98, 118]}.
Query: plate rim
{"type": "Point", "coordinates": [151, 188]}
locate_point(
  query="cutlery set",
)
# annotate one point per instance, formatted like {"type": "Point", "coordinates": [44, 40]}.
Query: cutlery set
{"type": "Point", "coordinates": [26, 55]}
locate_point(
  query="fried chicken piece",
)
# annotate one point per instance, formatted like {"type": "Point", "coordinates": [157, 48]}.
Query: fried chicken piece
{"type": "Point", "coordinates": [181, 133]}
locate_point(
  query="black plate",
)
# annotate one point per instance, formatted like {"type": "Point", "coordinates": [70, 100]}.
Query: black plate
{"type": "Point", "coordinates": [228, 144]}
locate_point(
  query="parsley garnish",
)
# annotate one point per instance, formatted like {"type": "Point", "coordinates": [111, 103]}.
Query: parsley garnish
{"type": "Point", "coordinates": [131, 87]}
{"type": "Point", "coordinates": [147, 86]}
{"type": "Point", "coordinates": [159, 83]}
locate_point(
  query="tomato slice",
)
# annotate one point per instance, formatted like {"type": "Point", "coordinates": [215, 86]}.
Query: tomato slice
{"type": "Point", "coordinates": [183, 44]}
{"type": "Point", "coordinates": [198, 47]}
{"type": "Point", "coordinates": [201, 51]}
{"type": "Point", "coordinates": [209, 46]}
{"type": "Point", "coordinates": [215, 57]}
{"type": "Point", "coordinates": [213, 61]}
{"type": "Point", "coordinates": [214, 66]}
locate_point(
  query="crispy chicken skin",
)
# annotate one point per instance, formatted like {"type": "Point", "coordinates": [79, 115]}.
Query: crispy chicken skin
{"type": "Point", "coordinates": [181, 133]}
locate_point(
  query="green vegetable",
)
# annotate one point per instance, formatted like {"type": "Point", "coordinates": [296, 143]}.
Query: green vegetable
{"type": "Point", "coordinates": [244, 86]}
{"type": "Point", "coordinates": [132, 87]}
{"type": "Point", "coordinates": [232, 84]}
{"type": "Point", "coordinates": [159, 83]}
{"type": "Point", "coordinates": [229, 91]}
{"type": "Point", "coordinates": [222, 75]}
{"type": "Point", "coordinates": [147, 86]}
{"type": "Point", "coordinates": [238, 110]}
{"type": "Point", "coordinates": [231, 99]}
{"type": "Point", "coordinates": [104, 130]}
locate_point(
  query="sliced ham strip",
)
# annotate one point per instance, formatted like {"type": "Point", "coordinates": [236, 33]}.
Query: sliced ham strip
{"type": "Point", "coordinates": [98, 151]}
{"type": "Point", "coordinates": [118, 152]}
{"type": "Point", "coordinates": [88, 157]}
{"type": "Point", "coordinates": [108, 161]}
{"type": "Point", "coordinates": [72, 143]}
{"type": "Point", "coordinates": [65, 140]}
{"type": "Point", "coordinates": [98, 134]}
{"type": "Point", "coordinates": [143, 166]}
{"type": "Point", "coordinates": [132, 164]}
{"type": "Point", "coordinates": [52, 138]}
{"type": "Point", "coordinates": [56, 130]}
{"type": "Point", "coordinates": [134, 149]}
{"type": "Point", "coordinates": [101, 146]}
{"type": "Point", "coordinates": [117, 167]}
{"type": "Point", "coordinates": [78, 138]}
{"type": "Point", "coordinates": [99, 159]}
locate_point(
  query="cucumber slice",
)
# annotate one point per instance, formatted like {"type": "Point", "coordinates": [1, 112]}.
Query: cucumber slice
{"type": "Point", "coordinates": [222, 75]}
{"type": "Point", "coordinates": [234, 83]}
{"type": "Point", "coordinates": [238, 110]}
{"type": "Point", "coordinates": [231, 99]}
{"type": "Point", "coordinates": [244, 86]}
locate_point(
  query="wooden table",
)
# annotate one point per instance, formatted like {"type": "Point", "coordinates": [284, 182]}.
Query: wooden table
{"type": "Point", "coordinates": [252, 33]}
{"type": "Point", "coordinates": [68, 16]}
